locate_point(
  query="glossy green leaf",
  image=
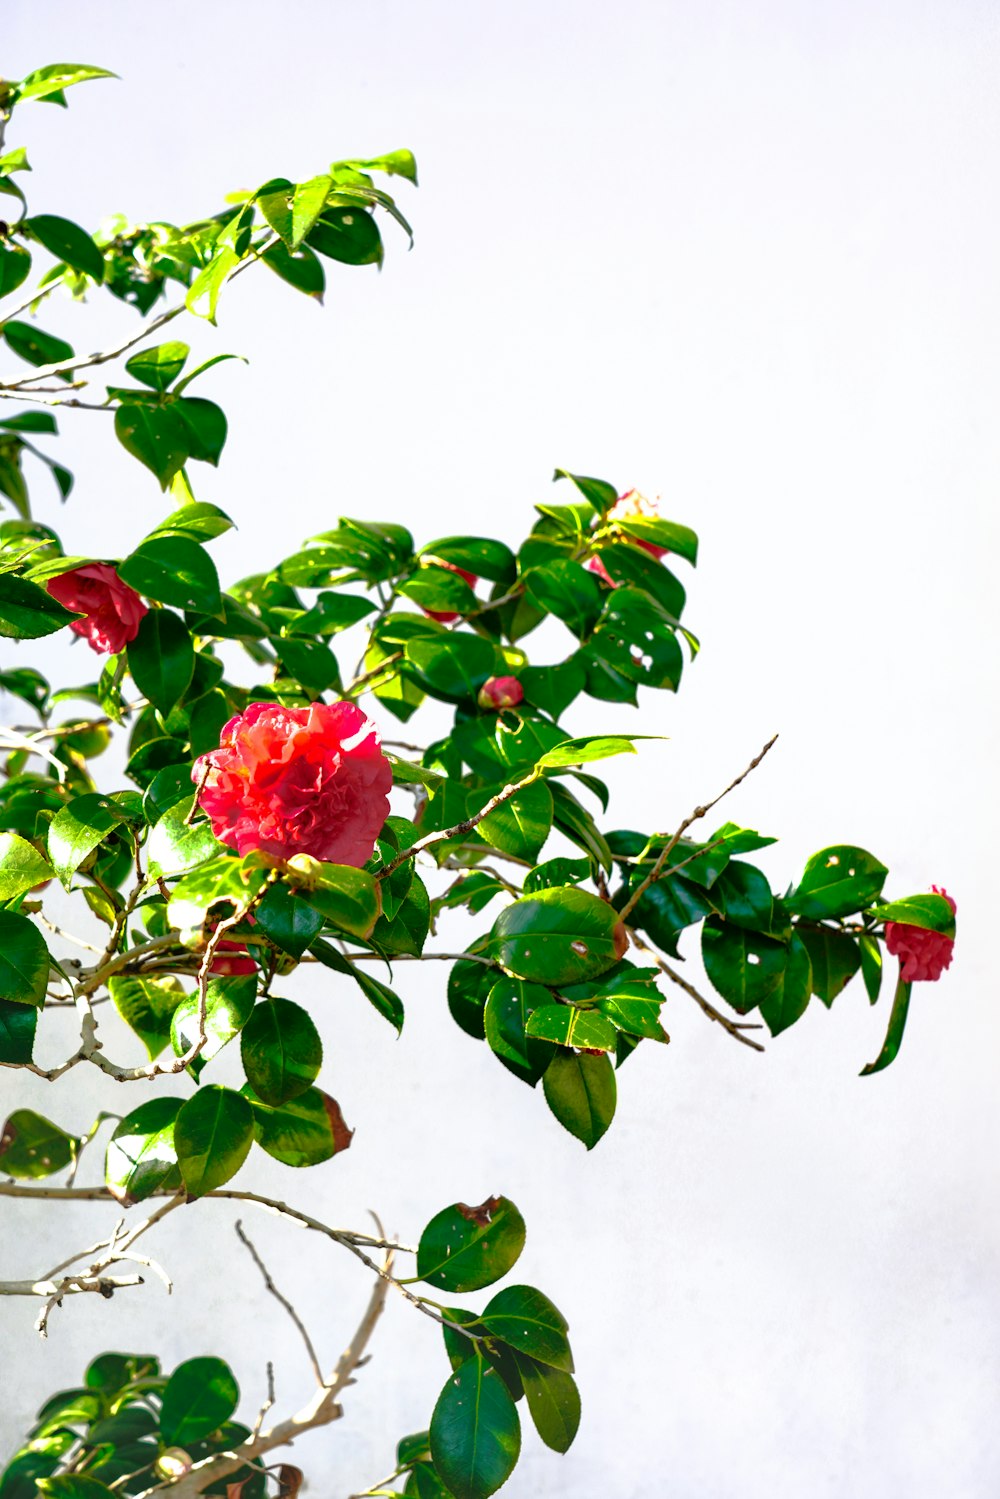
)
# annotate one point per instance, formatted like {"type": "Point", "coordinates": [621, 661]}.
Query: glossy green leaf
{"type": "Point", "coordinates": [931, 912]}
{"type": "Point", "coordinates": [834, 957]}
{"type": "Point", "coordinates": [27, 611]}
{"type": "Point", "coordinates": [34, 345]}
{"type": "Point", "coordinates": [581, 1092]}
{"type": "Point", "coordinates": [680, 540]}
{"type": "Point", "coordinates": [176, 845]}
{"type": "Point", "coordinates": [347, 234]}
{"type": "Point", "coordinates": [147, 1005]}
{"type": "Point", "coordinates": [199, 1396]}
{"type": "Point", "coordinates": [78, 829]}
{"type": "Point", "coordinates": [287, 920]}
{"type": "Point", "coordinates": [203, 295]}
{"type": "Point", "coordinates": [229, 1002]}
{"type": "Point", "coordinates": [32, 1147]}
{"type": "Point", "coordinates": [894, 1034]}
{"type": "Point", "coordinates": [527, 1320]}
{"type": "Point", "coordinates": [788, 1000]}
{"type": "Point", "coordinates": [510, 1005]}
{"type": "Point", "coordinates": [635, 638]}
{"type": "Point", "coordinates": [204, 425]}
{"type": "Point", "coordinates": [520, 825]}
{"type": "Point", "coordinates": [155, 435]}
{"type": "Point", "coordinates": [141, 1158]}
{"type": "Point", "coordinates": [24, 960]}
{"type": "Point", "coordinates": [465, 1248]}
{"type": "Point", "coordinates": [837, 882]}
{"type": "Point", "coordinates": [564, 1025]}
{"type": "Point", "coordinates": [174, 570]}
{"type": "Point", "coordinates": [380, 996]}
{"type": "Point", "coordinates": [591, 747]}
{"type": "Point", "coordinates": [281, 1050]}
{"type": "Point", "coordinates": [563, 588]}
{"type": "Point", "coordinates": [305, 1131]}
{"type": "Point", "coordinates": [161, 658]}
{"type": "Point", "coordinates": [66, 241]}
{"type": "Point", "coordinates": [744, 893]}
{"type": "Point", "coordinates": [15, 263]}
{"type": "Point", "coordinates": [158, 367]}
{"type": "Point", "coordinates": [475, 1433]}
{"type": "Point", "coordinates": [479, 555]}
{"type": "Point", "coordinates": [452, 666]}
{"type": "Point", "coordinates": [744, 966]}
{"type": "Point", "coordinates": [469, 985]}
{"type": "Point", "coordinates": [597, 492]}
{"type": "Point", "coordinates": [18, 1023]}
{"type": "Point", "coordinates": [301, 270]}
{"type": "Point", "coordinates": [871, 965]}
{"type": "Point", "coordinates": [21, 866]}
{"type": "Point", "coordinates": [348, 898]}
{"type": "Point", "coordinates": [56, 76]}
{"type": "Point", "coordinates": [212, 1135]}
{"type": "Point", "coordinates": [553, 1400]}
{"type": "Point", "coordinates": [74, 1486]}
{"type": "Point", "coordinates": [559, 936]}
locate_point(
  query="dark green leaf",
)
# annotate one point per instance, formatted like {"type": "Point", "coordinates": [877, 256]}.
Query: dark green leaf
{"type": "Point", "coordinates": [380, 996]}
{"type": "Point", "coordinates": [510, 1004]}
{"type": "Point", "coordinates": [597, 492]}
{"type": "Point", "coordinates": [520, 825]}
{"type": "Point", "coordinates": [559, 936]}
{"type": "Point", "coordinates": [155, 435]}
{"type": "Point", "coordinates": [161, 658]}
{"type": "Point", "coordinates": [581, 1092]}
{"type": "Point", "coordinates": [635, 638]}
{"type": "Point", "coordinates": [27, 611]}
{"type": "Point", "coordinates": [745, 895]}
{"type": "Point", "coordinates": [837, 882]}
{"type": "Point", "coordinates": [527, 1320]}
{"type": "Point", "coordinates": [469, 985]}
{"type": "Point", "coordinates": [200, 1394]}
{"type": "Point", "coordinates": [348, 898]}
{"type": "Point", "coordinates": [553, 1400]}
{"type": "Point", "coordinates": [281, 1050]}
{"type": "Point", "coordinates": [36, 347]}
{"type": "Point", "coordinates": [931, 912]}
{"type": "Point", "coordinates": [205, 426]}
{"type": "Point", "coordinates": [24, 960]}
{"type": "Point", "coordinates": [475, 1433]}
{"type": "Point", "coordinates": [78, 829]}
{"type": "Point", "coordinates": [174, 570]}
{"type": "Point", "coordinates": [66, 241]}
{"type": "Point", "coordinates": [894, 1034]}
{"type": "Point", "coordinates": [787, 1002]}
{"type": "Point", "coordinates": [15, 263]}
{"type": "Point", "coordinates": [301, 270]}
{"type": "Point", "coordinates": [835, 959]}
{"type": "Point", "coordinates": [465, 1248]}
{"type": "Point", "coordinates": [349, 235]}
{"type": "Point", "coordinates": [17, 1032]}
{"type": "Point", "coordinates": [744, 966]}
{"type": "Point", "coordinates": [871, 965]}
{"type": "Point", "coordinates": [452, 666]}
{"type": "Point", "coordinates": [287, 920]}
{"type": "Point", "coordinates": [212, 1135]}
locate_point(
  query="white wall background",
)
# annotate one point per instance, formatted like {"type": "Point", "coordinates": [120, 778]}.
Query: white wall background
{"type": "Point", "coordinates": [743, 255]}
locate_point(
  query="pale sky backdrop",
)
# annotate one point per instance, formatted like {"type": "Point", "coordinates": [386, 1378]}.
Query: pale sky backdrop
{"type": "Point", "coordinates": [742, 255]}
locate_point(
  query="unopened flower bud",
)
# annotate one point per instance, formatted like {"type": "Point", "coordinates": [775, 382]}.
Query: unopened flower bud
{"type": "Point", "coordinates": [500, 692]}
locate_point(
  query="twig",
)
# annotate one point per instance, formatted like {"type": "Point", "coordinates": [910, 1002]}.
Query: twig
{"type": "Point", "coordinates": [268, 1403]}
{"type": "Point", "coordinates": [672, 843]}
{"type": "Point", "coordinates": [460, 828]}
{"type": "Point", "coordinates": [90, 361]}
{"type": "Point", "coordinates": [289, 1308]}
{"type": "Point", "coordinates": [735, 1028]}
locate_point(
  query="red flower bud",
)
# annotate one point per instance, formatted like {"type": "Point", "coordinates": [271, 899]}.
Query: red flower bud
{"type": "Point", "coordinates": [111, 609]}
{"type": "Point", "coordinates": [923, 954]}
{"type": "Point", "coordinates": [500, 692]}
{"type": "Point", "coordinates": [290, 781]}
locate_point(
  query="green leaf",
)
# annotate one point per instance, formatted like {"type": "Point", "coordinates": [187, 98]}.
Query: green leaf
{"type": "Point", "coordinates": [559, 936]}
{"type": "Point", "coordinates": [787, 1002]}
{"type": "Point", "coordinates": [407, 931]}
{"type": "Point", "coordinates": [591, 747]}
{"type": "Point", "coordinates": [161, 658]}
{"type": "Point", "coordinates": [24, 960]}
{"type": "Point", "coordinates": [229, 1003]}
{"type": "Point", "coordinates": [147, 1006]}
{"type": "Point", "coordinates": [141, 1158]}
{"type": "Point", "coordinates": [837, 882]}
{"type": "Point", "coordinates": [527, 1320]}
{"type": "Point", "coordinates": [636, 639]}
{"type": "Point", "coordinates": [203, 296]}
{"type": "Point", "coordinates": [564, 1025]}
{"type": "Point", "coordinates": [744, 966]}
{"type": "Point", "coordinates": [556, 872]}
{"type": "Point", "coordinates": [35, 346]}
{"type": "Point", "coordinates": [199, 1396]}
{"type": "Point", "coordinates": [469, 985]}
{"type": "Point", "coordinates": [15, 263]}
{"type": "Point", "coordinates": [745, 895]}
{"type": "Point", "coordinates": [520, 825]}
{"type": "Point", "coordinates": [380, 996]}
{"type": "Point", "coordinates": [287, 920]}
{"type": "Point", "coordinates": [636, 1010]}
{"type": "Point", "coordinates": [31, 1146]}
{"type": "Point", "coordinates": [349, 898]}
{"type": "Point", "coordinates": [835, 959]}
{"type": "Point", "coordinates": [931, 912]}
{"type": "Point", "coordinates": [349, 235]}
{"type": "Point", "coordinates": [27, 611]}
{"type": "Point", "coordinates": [563, 588]}
{"type": "Point", "coordinates": [21, 866]}
{"type": "Point", "coordinates": [205, 428]}
{"type": "Point", "coordinates": [66, 241]}
{"type": "Point", "coordinates": [581, 1092]}
{"type": "Point", "coordinates": [480, 555]}
{"type": "Point", "coordinates": [74, 1486]}
{"type": "Point", "coordinates": [174, 570]}
{"type": "Point", "coordinates": [281, 1050]}
{"type": "Point", "coordinates": [17, 1032]}
{"type": "Point", "coordinates": [78, 829]}
{"type": "Point", "coordinates": [44, 82]}
{"type": "Point", "coordinates": [197, 892]}
{"type": "Point", "coordinates": [304, 1131]}
{"type": "Point", "coordinates": [553, 1400]}
{"type": "Point", "coordinates": [894, 1034]}
{"type": "Point", "coordinates": [174, 846]}
{"type": "Point", "coordinates": [212, 1135]}
{"type": "Point", "coordinates": [465, 1248]}
{"type": "Point", "coordinates": [510, 1005]}
{"type": "Point", "coordinates": [155, 435]}
{"type": "Point", "coordinates": [451, 666]}
{"type": "Point", "coordinates": [301, 270]}
{"type": "Point", "coordinates": [680, 540]}
{"type": "Point", "coordinates": [599, 494]}
{"type": "Point", "coordinates": [475, 1433]}
{"type": "Point", "coordinates": [871, 964]}
{"type": "Point", "coordinates": [400, 163]}
{"type": "Point", "coordinates": [159, 367]}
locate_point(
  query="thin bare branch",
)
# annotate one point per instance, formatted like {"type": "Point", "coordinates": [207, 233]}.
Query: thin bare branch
{"type": "Point", "coordinates": [283, 1301]}
{"type": "Point", "coordinates": [734, 1028]}
{"type": "Point", "coordinates": [460, 828]}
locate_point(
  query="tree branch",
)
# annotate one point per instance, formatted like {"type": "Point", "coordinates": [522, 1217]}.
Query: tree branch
{"type": "Point", "coordinates": [283, 1301]}
{"type": "Point", "coordinates": [734, 1028]}
{"type": "Point", "coordinates": [460, 828]}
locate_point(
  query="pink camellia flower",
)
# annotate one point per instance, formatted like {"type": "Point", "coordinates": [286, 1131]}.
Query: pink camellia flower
{"type": "Point", "coordinates": [922, 954]}
{"type": "Point", "coordinates": [500, 692]}
{"type": "Point", "coordinates": [631, 505]}
{"type": "Point", "coordinates": [111, 609]}
{"type": "Point", "coordinates": [289, 781]}
{"type": "Point", "coordinates": [448, 616]}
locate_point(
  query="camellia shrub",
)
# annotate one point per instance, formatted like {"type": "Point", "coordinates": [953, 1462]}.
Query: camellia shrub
{"type": "Point", "coordinates": [266, 818]}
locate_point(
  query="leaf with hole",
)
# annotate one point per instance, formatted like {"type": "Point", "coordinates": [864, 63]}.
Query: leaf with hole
{"type": "Point", "coordinates": [465, 1248]}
